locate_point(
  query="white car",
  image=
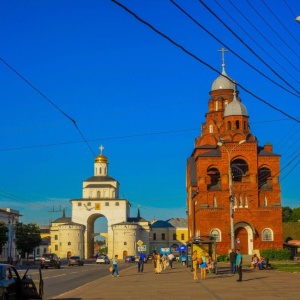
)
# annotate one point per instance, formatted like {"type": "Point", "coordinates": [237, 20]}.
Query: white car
{"type": "Point", "coordinates": [102, 259]}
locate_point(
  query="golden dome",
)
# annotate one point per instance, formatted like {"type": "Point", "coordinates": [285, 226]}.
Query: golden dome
{"type": "Point", "coordinates": [101, 159]}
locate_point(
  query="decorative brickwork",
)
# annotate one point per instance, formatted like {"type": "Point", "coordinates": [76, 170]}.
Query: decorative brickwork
{"type": "Point", "coordinates": [255, 188]}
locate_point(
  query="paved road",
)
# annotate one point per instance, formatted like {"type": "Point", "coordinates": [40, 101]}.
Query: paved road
{"type": "Point", "coordinates": [178, 283]}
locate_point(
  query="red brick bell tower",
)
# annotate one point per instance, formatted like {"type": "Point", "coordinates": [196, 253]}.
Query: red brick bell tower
{"type": "Point", "coordinates": [253, 185]}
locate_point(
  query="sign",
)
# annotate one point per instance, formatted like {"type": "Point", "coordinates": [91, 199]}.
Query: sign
{"type": "Point", "coordinates": [142, 248]}
{"type": "Point", "coordinates": [165, 250]}
{"type": "Point", "coordinates": [140, 243]}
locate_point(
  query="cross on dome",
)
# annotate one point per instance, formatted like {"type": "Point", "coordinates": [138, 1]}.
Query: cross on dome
{"type": "Point", "coordinates": [223, 50]}
{"type": "Point", "coordinates": [101, 149]}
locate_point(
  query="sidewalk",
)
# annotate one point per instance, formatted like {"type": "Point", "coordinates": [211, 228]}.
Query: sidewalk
{"type": "Point", "coordinates": [178, 283]}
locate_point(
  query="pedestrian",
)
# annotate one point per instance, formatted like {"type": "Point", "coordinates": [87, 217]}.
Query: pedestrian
{"type": "Point", "coordinates": [141, 262]}
{"type": "Point", "coordinates": [239, 264]}
{"type": "Point", "coordinates": [232, 258]}
{"type": "Point", "coordinates": [170, 260]}
{"type": "Point", "coordinates": [158, 268]}
{"type": "Point", "coordinates": [115, 266]}
{"type": "Point", "coordinates": [164, 261]}
{"type": "Point", "coordinates": [202, 265]}
{"type": "Point", "coordinates": [195, 263]}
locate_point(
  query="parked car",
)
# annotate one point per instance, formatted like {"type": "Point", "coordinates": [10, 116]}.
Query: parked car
{"type": "Point", "coordinates": [50, 260]}
{"type": "Point", "coordinates": [12, 286]}
{"type": "Point", "coordinates": [102, 259]}
{"type": "Point", "coordinates": [129, 259]}
{"type": "Point", "coordinates": [75, 260]}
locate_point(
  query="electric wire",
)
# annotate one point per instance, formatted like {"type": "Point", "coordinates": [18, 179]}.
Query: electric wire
{"type": "Point", "coordinates": [282, 24]}
{"type": "Point", "coordinates": [201, 61]}
{"type": "Point", "coordinates": [272, 29]}
{"type": "Point", "coordinates": [236, 54]}
{"type": "Point", "coordinates": [248, 47]}
{"type": "Point", "coordinates": [51, 102]}
{"type": "Point", "coordinates": [254, 41]}
{"type": "Point", "coordinates": [291, 11]}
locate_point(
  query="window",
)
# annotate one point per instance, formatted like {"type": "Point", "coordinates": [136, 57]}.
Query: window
{"type": "Point", "coordinates": [229, 125]}
{"type": "Point", "coordinates": [245, 125]}
{"type": "Point", "coordinates": [154, 236]}
{"type": "Point", "coordinates": [69, 243]}
{"type": "Point", "coordinates": [56, 247]}
{"type": "Point", "coordinates": [117, 203]}
{"type": "Point", "coordinates": [216, 233]}
{"type": "Point", "coordinates": [56, 237]}
{"type": "Point", "coordinates": [239, 169]}
{"type": "Point", "coordinates": [264, 179]}
{"type": "Point", "coordinates": [267, 235]}
{"type": "Point", "coordinates": [174, 237]}
{"type": "Point", "coordinates": [211, 128]}
{"type": "Point", "coordinates": [163, 236]}
{"type": "Point", "coordinates": [98, 194]}
{"type": "Point", "coordinates": [106, 203]}
{"type": "Point", "coordinates": [182, 236]}
{"type": "Point", "coordinates": [217, 105]}
{"type": "Point", "coordinates": [125, 243]}
{"type": "Point", "coordinates": [237, 124]}
{"type": "Point", "coordinates": [214, 179]}
{"type": "Point", "coordinates": [89, 204]}
{"type": "Point", "coordinates": [79, 204]}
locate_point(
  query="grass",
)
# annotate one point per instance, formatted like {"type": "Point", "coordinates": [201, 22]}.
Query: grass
{"type": "Point", "coordinates": [290, 268]}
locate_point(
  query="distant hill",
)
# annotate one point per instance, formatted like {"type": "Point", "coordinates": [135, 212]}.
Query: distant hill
{"type": "Point", "coordinates": [291, 229]}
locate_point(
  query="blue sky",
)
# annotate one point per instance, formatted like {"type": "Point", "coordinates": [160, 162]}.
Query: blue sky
{"type": "Point", "coordinates": [135, 93]}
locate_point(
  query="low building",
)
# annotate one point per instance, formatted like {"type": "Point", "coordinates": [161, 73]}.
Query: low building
{"type": "Point", "coordinates": [10, 217]}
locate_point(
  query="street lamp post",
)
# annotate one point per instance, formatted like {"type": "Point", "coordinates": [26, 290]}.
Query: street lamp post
{"type": "Point", "coordinates": [231, 198]}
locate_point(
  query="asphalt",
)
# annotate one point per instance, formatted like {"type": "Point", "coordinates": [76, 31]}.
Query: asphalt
{"type": "Point", "coordinates": [178, 283]}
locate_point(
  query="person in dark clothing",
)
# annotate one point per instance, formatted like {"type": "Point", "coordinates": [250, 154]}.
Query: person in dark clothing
{"type": "Point", "coordinates": [232, 258]}
{"type": "Point", "coordinates": [141, 262]}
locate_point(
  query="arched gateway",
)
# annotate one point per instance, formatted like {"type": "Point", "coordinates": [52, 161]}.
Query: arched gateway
{"type": "Point", "coordinates": [100, 198]}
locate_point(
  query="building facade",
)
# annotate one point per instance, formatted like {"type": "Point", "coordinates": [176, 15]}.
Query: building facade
{"type": "Point", "coordinates": [227, 164]}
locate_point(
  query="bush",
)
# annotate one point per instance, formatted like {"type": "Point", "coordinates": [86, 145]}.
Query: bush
{"type": "Point", "coordinates": [276, 254]}
{"type": "Point", "coordinates": [223, 257]}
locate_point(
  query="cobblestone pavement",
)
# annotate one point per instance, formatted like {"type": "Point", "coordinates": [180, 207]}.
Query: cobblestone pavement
{"type": "Point", "coordinates": [178, 283]}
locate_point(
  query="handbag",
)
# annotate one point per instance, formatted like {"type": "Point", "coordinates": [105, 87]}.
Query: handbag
{"type": "Point", "coordinates": [111, 269]}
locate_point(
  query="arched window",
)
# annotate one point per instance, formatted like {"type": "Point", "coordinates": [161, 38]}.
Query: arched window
{"type": "Point", "coordinates": [211, 128]}
{"type": "Point", "coordinates": [229, 125]}
{"type": "Point", "coordinates": [237, 124]}
{"type": "Point", "coordinates": [100, 170]}
{"type": "Point", "coordinates": [217, 105]}
{"type": "Point", "coordinates": [239, 167]}
{"type": "Point", "coordinates": [264, 179]}
{"type": "Point", "coordinates": [267, 235]}
{"type": "Point", "coordinates": [215, 202]}
{"type": "Point", "coordinates": [98, 194]}
{"type": "Point", "coordinates": [215, 179]}
{"type": "Point", "coordinates": [216, 233]}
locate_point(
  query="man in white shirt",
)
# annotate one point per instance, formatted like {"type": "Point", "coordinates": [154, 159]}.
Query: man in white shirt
{"type": "Point", "coordinates": [170, 259]}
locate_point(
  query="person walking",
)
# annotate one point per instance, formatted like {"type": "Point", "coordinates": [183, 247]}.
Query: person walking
{"type": "Point", "coordinates": [239, 264]}
{"type": "Point", "coordinates": [115, 266]}
{"type": "Point", "coordinates": [141, 262]}
{"type": "Point", "coordinates": [232, 258]}
{"type": "Point", "coordinates": [170, 260]}
{"type": "Point", "coordinates": [195, 263]}
{"type": "Point", "coordinates": [202, 265]}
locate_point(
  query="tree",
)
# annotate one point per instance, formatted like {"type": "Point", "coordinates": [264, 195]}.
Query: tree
{"type": "Point", "coordinates": [28, 237]}
{"type": "Point", "coordinates": [3, 235]}
{"type": "Point", "coordinates": [295, 214]}
{"type": "Point", "coordinates": [286, 214]}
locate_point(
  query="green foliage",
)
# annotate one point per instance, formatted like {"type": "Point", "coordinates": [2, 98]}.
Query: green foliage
{"type": "Point", "coordinates": [290, 215]}
{"type": "Point", "coordinates": [276, 254]}
{"type": "Point", "coordinates": [28, 237]}
{"type": "Point", "coordinates": [290, 268]}
{"type": "Point", "coordinates": [103, 250]}
{"type": "Point", "coordinates": [223, 257]}
{"type": "Point", "coordinates": [3, 235]}
{"type": "Point", "coordinates": [286, 214]}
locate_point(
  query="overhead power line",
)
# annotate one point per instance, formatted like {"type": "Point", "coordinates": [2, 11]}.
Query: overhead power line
{"type": "Point", "coordinates": [51, 102]}
{"type": "Point", "coordinates": [248, 47]}
{"type": "Point", "coordinates": [201, 61]}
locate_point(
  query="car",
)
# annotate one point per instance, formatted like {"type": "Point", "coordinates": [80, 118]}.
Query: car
{"type": "Point", "coordinates": [75, 260]}
{"type": "Point", "coordinates": [129, 259]}
{"type": "Point", "coordinates": [102, 259]}
{"type": "Point", "coordinates": [149, 257]}
{"type": "Point", "coordinates": [37, 258]}
{"type": "Point", "coordinates": [50, 260]}
{"type": "Point", "coordinates": [12, 286]}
